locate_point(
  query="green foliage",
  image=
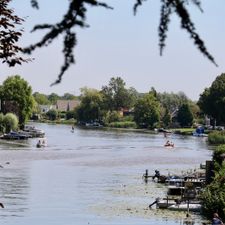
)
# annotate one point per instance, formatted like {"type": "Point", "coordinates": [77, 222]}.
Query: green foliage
{"type": "Point", "coordinates": [68, 96]}
{"type": "Point", "coordinates": [213, 196]}
{"type": "Point", "coordinates": [19, 92]}
{"type": "Point", "coordinates": [41, 99]}
{"type": "Point", "coordinates": [147, 111]}
{"type": "Point", "coordinates": [116, 96]}
{"type": "Point", "coordinates": [70, 115]}
{"type": "Point", "coordinates": [166, 119]}
{"type": "Point", "coordinates": [217, 155]}
{"type": "Point", "coordinates": [111, 116]}
{"type": "Point", "coordinates": [125, 124]}
{"type": "Point", "coordinates": [171, 101]}
{"type": "Point", "coordinates": [185, 116]}
{"type": "Point", "coordinates": [52, 114]}
{"type": "Point", "coordinates": [90, 106]}
{"type": "Point", "coordinates": [10, 52]}
{"type": "Point", "coordinates": [2, 127]}
{"type": "Point", "coordinates": [10, 122]}
{"type": "Point", "coordinates": [216, 137]}
{"type": "Point", "coordinates": [129, 118]}
{"type": "Point", "coordinates": [212, 100]}
{"type": "Point", "coordinates": [53, 97]}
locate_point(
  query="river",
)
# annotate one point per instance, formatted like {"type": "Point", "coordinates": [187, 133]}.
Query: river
{"type": "Point", "coordinates": [92, 177]}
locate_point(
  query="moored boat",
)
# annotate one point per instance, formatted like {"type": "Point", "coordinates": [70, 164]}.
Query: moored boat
{"type": "Point", "coordinates": [33, 131]}
{"type": "Point", "coordinates": [14, 136]}
{"type": "Point", "coordinates": [194, 207]}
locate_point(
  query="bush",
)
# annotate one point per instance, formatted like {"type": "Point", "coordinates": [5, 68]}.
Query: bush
{"type": "Point", "coordinates": [70, 115]}
{"type": "Point", "coordinates": [213, 196]}
{"type": "Point", "coordinates": [217, 156]}
{"type": "Point", "coordinates": [126, 118]}
{"type": "Point", "coordinates": [216, 137]}
{"type": "Point", "coordinates": [110, 117]}
{"type": "Point", "coordinates": [10, 122]}
{"type": "Point", "coordinates": [52, 114]}
{"type": "Point", "coordinates": [126, 124]}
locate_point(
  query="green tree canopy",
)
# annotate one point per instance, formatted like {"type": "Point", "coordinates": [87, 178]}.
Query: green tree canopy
{"type": "Point", "coordinates": [172, 101]}
{"type": "Point", "coordinates": [41, 99]}
{"type": "Point", "coordinates": [53, 97]}
{"type": "Point", "coordinates": [166, 118]}
{"type": "Point", "coordinates": [147, 111]}
{"type": "Point", "coordinates": [90, 105]}
{"type": "Point", "coordinates": [185, 116]}
{"type": "Point", "coordinates": [68, 96]}
{"type": "Point", "coordinates": [17, 91]}
{"type": "Point", "coordinates": [116, 96]}
{"type": "Point", "coordinates": [52, 114]}
{"type": "Point", "coordinates": [212, 100]}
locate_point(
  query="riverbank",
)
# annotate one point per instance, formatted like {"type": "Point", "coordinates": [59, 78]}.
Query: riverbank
{"type": "Point", "coordinates": [181, 131]}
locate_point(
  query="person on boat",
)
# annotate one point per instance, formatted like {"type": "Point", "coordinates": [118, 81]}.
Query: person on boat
{"type": "Point", "coordinates": [169, 143]}
{"type": "Point", "coordinates": [72, 130]}
{"type": "Point", "coordinates": [39, 143]}
{"type": "Point", "coordinates": [216, 220]}
{"type": "Point", "coordinates": [157, 174]}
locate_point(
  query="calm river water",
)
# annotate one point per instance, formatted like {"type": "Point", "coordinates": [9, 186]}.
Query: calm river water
{"type": "Point", "coordinates": [92, 177]}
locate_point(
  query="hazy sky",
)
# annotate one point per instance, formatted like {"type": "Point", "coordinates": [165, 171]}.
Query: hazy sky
{"type": "Point", "coordinates": [121, 44]}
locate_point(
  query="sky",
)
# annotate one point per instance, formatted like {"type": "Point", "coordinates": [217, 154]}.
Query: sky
{"type": "Point", "coordinates": [119, 44]}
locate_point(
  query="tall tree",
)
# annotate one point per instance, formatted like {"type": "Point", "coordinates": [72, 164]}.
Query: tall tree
{"type": "Point", "coordinates": [115, 95]}
{"type": "Point", "coordinates": [68, 96]}
{"type": "Point", "coordinates": [17, 91]}
{"type": "Point", "coordinates": [41, 99]}
{"type": "Point", "coordinates": [147, 111]}
{"type": "Point", "coordinates": [90, 105]}
{"type": "Point", "coordinates": [166, 118]}
{"type": "Point", "coordinates": [212, 100]}
{"type": "Point", "coordinates": [53, 97]}
{"type": "Point", "coordinates": [172, 101]}
{"type": "Point", "coordinates": [185, 116]}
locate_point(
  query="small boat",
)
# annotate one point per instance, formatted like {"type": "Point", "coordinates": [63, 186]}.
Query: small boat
{"type": "Point", "coordinates": [194, 207]}
{"type": "Point", "coordinates": [169, 144]}
{"type": "Point", "coordinates": [165, 203]}
{"type": "Point", "coordinates": [42, 142]}
{"type": "Point", "coordinates": [33, 131]}
{"type": "Point", "coordinates": [199, 134]}
{"type": "Point", "coordinates": [14, 136]}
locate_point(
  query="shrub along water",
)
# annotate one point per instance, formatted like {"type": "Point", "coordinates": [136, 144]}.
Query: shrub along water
{"type": "Point", "coordinates": [125, 124]}
{"type": "Point", "coordinates": [216, 137]}
{"type": "Point", "coordinates": [213, 196]}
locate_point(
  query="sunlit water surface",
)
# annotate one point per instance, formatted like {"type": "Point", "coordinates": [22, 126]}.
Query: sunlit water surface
{"type": "Point", "coordinates": [92, 177]}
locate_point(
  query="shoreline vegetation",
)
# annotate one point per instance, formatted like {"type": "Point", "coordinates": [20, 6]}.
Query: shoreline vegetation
{"type": "Point", "coordinates": [127, 126]}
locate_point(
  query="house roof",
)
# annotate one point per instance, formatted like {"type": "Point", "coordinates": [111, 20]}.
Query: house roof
{"type": "Point", "coordinates": [66, 105]}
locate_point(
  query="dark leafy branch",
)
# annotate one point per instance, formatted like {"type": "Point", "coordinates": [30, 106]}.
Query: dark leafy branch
{"type": "Point", "coordinates": [75, 17]}
{"type": "Point", "coordinates": [34, 4]}
{"type": "Point", "coordinates": [168, 7]}
{"type": "Point", "coordinates": [9, 35]}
